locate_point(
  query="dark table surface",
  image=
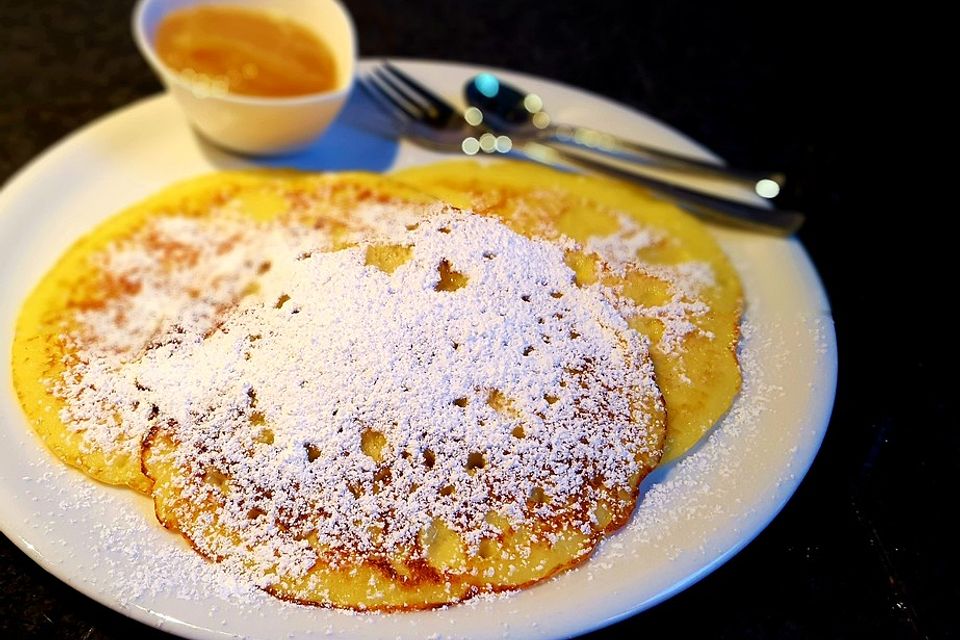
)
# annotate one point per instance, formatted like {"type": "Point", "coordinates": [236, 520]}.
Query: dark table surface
{"type": "Point", "coordinates": [860, 551]}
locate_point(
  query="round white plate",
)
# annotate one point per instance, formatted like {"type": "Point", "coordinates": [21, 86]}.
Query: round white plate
{"type": "Point", "coordinates": [696, 513]}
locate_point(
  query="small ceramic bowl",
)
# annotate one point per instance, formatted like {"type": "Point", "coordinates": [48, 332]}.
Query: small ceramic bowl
{"type": "Point", "coordinates": [252, 124]}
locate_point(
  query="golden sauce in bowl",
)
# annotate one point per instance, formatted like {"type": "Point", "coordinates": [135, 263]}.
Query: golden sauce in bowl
{"type": "Point", "coordinates": [245, 52]}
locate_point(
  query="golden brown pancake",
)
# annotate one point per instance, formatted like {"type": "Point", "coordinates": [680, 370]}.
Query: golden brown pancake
{"type": "Point", "coordinates": [516, 486]}
{"type": "Point", "coordinates": [687, 297]}
{"type": "Point", "coordinates": [356, 396]}
{"type": "Point", "coordinates": [403, 433]}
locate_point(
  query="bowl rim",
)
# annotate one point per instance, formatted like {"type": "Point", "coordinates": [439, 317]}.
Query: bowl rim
{"type": "Point", "coordinates": [169, 76]}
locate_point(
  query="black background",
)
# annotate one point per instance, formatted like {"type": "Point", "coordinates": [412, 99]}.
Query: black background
{"type": "Point", "coordinates": [862, 549]}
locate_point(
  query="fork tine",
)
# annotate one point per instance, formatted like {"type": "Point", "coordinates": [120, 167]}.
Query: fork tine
{"type": "Point", "coordinates": [404, 92]}
{"type": "Point", "coordinates": [435, 102]}
{"type": "Point", "coordinates": [386, 99]}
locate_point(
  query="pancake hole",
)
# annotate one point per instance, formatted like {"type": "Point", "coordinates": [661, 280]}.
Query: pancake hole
{"type": "Point", "coordinates": [461, 402]}
{"type": "Point", "coordinates": [525, 298]}
{"type": "Point", "coordinates": [574, 335]}
{"type": "Point", "coordinates": [550, 399]}
{"type": "Point", "coordinates": [488, 547]}
{"type": "Point", "coordinates": [450, 280]}
{"type": "Point", "coordinates": [444, 229]}
{"type": "Point", "coordinates": [475, 461]}
{"type": "Point", "coordinates": [538, 496]}
{"type": "Point", "coordinates": [429, 459]}
{"type": "Point", "coordinates": [216, 478]}
{"type": "Point", "coordinates": [264, 267]}
{"type": "Point", "coordinates": [500, 403]}
{"type": "Point", "coordinates": [518, 432]}
{"type": "Point", "coordinates": [313, 452]}
{"type": "Point", "coordinates": [447, 490]}
{"type": "Point", "coordinates": [489, 255]}
{"type": "Point", "coordinates": [372, 443]}
{"type": "Point", "coordinates": [282, 300]}
{"type": "Point", "coordinates": [556, 294]}
{"type": "Point", "coordinates": [265, 437]}
{"type": "Point", "coordinates": [528, 350]}
{"type": "Point", "coordinates": [456, 345]}
{"type": "Point", "coordinates": [388, 257]}
{"type": "Point", "coordinates": [304, 255]}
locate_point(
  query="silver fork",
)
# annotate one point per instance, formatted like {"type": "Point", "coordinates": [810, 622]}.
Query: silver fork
{"type": "Point", "coordinates": [431, 122]}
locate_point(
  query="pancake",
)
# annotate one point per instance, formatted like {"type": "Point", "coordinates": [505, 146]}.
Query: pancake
{"type": "Point", "coordinates": [407, 422]}
{"type": "Point", "coordinates": [173, 263]}
{"type": "Point", "coordinates": [160, 352]}
{"type": "Point", "coordinates": [684, 293]}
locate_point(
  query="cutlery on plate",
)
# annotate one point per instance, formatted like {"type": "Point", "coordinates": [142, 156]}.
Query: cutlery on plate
{"type": "Point", "coordinates": [430, 121]}
{"type": "Point", "coordinates": [509, 110]}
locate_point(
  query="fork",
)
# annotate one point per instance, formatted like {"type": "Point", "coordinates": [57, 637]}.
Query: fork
{"type": "Point", "coordinates": [429, 121]}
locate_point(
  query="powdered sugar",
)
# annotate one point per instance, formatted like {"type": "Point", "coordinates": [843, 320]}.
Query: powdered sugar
{"type": "Point", "coordinates": [339, 349]}
{"type": "Point", "coordinates": [621, 248]}
{"type": "Point", "coordinates": [478, 391]}
{"type": "Point", "coordinates": [685, 282]}
{"type": "Point", "coordinates": [176, 275]}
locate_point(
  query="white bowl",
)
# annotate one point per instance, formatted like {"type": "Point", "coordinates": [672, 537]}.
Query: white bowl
{"type": "Point", "coordinates": [253, 124]}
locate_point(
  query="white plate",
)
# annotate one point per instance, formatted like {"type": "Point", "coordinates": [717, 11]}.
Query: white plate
{"type": "Point", "coordinates": [696, 513]}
